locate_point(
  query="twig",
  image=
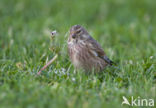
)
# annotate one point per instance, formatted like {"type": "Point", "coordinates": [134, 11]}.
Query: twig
{"type": "Point", "coordinates": [50, 62]}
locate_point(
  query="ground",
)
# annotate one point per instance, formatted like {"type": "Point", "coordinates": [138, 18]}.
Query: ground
{"type": "Point", "coordinates": [125, 29]}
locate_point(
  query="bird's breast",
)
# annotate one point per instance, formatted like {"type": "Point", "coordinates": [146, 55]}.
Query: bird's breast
{"type": "Point", "coordinates": [77, 53]}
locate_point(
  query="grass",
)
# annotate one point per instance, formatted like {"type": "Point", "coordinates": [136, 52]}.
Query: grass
{"type": "Point", "coordinates": [125, 28]}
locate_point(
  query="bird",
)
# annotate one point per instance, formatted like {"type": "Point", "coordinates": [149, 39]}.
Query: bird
{"type": "Point", "coordinates": [85, 52]}
{"type": "Point", "coordinates": [125, 101]}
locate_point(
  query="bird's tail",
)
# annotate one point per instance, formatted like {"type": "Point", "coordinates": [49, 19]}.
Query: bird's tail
{"type": "Point", "coordinates": [110, 62]}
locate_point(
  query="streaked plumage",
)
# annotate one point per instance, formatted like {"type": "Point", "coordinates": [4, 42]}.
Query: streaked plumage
{"type": "Point", "coordinates": [85, 52]}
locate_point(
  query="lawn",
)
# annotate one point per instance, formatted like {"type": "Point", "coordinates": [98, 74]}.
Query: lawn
{"type": "Point", "coordinates": [125, 29]}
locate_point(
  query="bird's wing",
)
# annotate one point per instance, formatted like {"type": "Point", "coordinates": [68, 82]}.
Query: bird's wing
{"type": "Point", "coordinates": [97, 50]}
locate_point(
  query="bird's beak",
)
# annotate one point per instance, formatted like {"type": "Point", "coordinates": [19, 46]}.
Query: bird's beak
{"type": "Point", "coordinates": [73, 36]}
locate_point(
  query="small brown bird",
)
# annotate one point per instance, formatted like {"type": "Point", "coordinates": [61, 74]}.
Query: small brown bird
{"type": "Point", "coordinates": [85, 52]}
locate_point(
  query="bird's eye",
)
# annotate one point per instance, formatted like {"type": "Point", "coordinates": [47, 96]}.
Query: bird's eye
{"type": "Point", "coordinates": [78, 31]}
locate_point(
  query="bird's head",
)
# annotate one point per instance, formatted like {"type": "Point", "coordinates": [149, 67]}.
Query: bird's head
{"type": "Point", "coordinates": [77, 32]}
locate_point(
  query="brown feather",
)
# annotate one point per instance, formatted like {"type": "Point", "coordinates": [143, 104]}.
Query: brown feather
{"type": "Point", "coordinates": [85, 52]}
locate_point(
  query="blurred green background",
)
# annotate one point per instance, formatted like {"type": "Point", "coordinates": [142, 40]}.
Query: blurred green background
{"type": "Point", "coordinates": [125, 28]}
